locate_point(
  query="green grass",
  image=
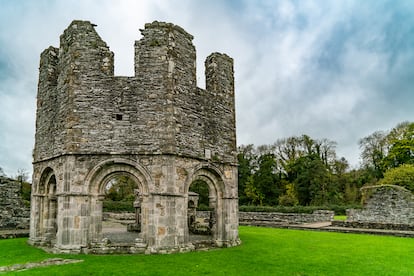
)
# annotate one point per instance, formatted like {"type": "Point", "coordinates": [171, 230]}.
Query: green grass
{"type": "Point", "coordinates": [265, 251]}
{"type": "Point", "coordinates": [339, 217]}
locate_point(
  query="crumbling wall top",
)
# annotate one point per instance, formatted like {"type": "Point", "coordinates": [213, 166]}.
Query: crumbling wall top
{"type": "Point", "coordinates": [164, 25]}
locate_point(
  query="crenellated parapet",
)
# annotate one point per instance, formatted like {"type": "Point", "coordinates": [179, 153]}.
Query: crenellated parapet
{"type": "Point", "coordinates": [159, 110]}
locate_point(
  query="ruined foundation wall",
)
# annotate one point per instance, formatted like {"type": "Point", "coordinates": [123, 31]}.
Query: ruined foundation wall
{"type": "Point", "coordinates": [14, 214]}
{"type": "Point", "coordinates": [385, 204]}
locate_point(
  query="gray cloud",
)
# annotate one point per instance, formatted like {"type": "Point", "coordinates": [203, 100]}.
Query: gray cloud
{"type": "Point", "coordinates": [331, 69]}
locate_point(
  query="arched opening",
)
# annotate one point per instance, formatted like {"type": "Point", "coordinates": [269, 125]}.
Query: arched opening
{"type": "Point", "coordinates": [46, 209]}
{"type": "Point", "coordinates": [122, 197]}
{"type": "Point", "coordinates": [200, 212]}
{"type": "Point", "coordinates": [205, 190]}
{"type": "Point", "coordinates": [100, 180]}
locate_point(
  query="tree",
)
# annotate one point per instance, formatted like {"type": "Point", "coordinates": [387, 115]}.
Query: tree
{"type": "Point", "coordinates": [246, 159]}
{"type": "Point", "coordinates": [290, 198]}
{"type": "Point", "coordinates": [2, 172]}
{"type": "Point", "coordinates": [311, 179]}
{"type": "Point", "coordinates": [401, 149]}
{"type": "Point", "coordinates": [121, 188]}
{"type": "Point", "coordinates": [201, 188]}
{"type": "Point", "coordinates": [22, 175]}
{"type": "Point", "coordinates": [373, 150]}
{"type": "Point", "coordinates": [401, 176]}
{"type": "Point", "coordinates": [253, 193]}
{"type": "Point", "coordinates": [266, 179]}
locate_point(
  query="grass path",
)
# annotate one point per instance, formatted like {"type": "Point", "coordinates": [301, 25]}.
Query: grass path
{"type": "Point", "coordinates": [265, 251]}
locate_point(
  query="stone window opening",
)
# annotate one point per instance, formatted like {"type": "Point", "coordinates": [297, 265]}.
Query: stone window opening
{"type": "Point", "coordinates": [118, 117]}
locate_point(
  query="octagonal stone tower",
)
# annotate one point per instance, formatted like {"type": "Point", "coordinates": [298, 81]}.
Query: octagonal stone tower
{"type": "Point", "coordinates": [157, 127]}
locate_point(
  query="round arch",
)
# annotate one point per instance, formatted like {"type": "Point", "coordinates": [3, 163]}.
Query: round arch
{"type": "Point", "coordinates": [103, 172]}
{"type": "Point", "coordinates": [210, 174]}
{"type": "Point", "coordinates": [213, 177]}
{"type": "Point", "coordinates": [47, 177]}
{"type": "Point", "coordinates": [96, 181]}
{"type": "Point", "coordinates": [44, 203]}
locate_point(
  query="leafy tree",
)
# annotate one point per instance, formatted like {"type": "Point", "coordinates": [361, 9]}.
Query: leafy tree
{"type": "Point", "coordinates": [121, 188]}
{"type": "Point", "coordinates": [254, 195]}
{"type": "Point", "coordinates": [401, 176]}
{"type": "Point", "coordinates": [22, 177]}
{"type": "Point", "coordinates": [290, 198]}
{"type": "Point", "coordinates": [311, 179]}
{"type": "Point", "coordinates": [374, 149]}
{"type": "Point", "coordinates": [201, 188]}
{"type": "Point", "coordinates": [401, 149]}
{"type": "Point", "coordinates": [382, 150]}
{"type": "Point", "coordinates": [246, 158]}
{"type": "Point", "coordinates": [266, 179]}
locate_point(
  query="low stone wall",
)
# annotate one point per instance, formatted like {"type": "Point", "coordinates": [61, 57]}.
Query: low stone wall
{"type": "Point", "coordinates": [255, 218]}
{"type": "Point", "coordinates": [118, 216]}
{"type": "Point", "coordinates": [373, 225]}
{"type": "Point", "coordinates": [385, 204]}
{"type": "Point", "coordinates": [14, 214]}
{"type": "Point", "coordinates": [274, 219]}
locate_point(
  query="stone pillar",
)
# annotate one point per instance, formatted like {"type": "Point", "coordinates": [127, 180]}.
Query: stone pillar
{"type": "Point", "coordinates": [231, 222]}
{"type": "Point", "coordinates": [95, 219]}
{"type": "Point", "coordinates": [73, 223]}
{"type": "Point", "coordinates": [36, 221]}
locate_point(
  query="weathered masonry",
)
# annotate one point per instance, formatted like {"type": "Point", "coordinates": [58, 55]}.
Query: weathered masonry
{"type": "Point", "coordinates": [157, 127]}
{"type": "Point", "coordinates": [14, 214]}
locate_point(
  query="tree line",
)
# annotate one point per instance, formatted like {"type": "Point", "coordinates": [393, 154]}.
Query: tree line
{"type": "Point", "coordinates": [301, 170]}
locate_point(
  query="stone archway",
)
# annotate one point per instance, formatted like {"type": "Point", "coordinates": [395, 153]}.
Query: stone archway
{"type": "Point", "coordinates": [213, 178]}
{"type": "Point", "coordinates": [99, 177]}
{"type": "Point", "coordinates": [44, 202]}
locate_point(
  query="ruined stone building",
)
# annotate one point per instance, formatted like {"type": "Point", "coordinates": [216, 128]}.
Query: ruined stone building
{"type": "Point", "coordinates": [156, 127]}
{"type": "Point", "coordinates": [14, 213]}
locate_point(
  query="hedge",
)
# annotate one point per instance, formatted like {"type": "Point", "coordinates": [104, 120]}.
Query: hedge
{"type": "Point", "coordinates": [127, 206]}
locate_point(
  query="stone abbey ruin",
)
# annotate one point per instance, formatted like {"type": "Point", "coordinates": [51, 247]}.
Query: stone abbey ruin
{"type": "Point", "coordinates": [156, 127]}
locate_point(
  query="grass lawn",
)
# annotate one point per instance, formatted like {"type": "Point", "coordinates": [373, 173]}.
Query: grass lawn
{"type": "Point", "coordinates": [265, 251]}
{"type": "Point", "coordinates": [339, 217]}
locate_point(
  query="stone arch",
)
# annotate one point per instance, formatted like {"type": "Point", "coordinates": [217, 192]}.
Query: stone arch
{"type": "Point", "coordinates": [104, 170]}
{"type": "Point", "coordinates": [96, 181]}
{"type": "Point", "coordinates": [209, 173]}
{"type": "Point", "coordinates": [46, 177]}
{"type": "Point", "coordinates": [44, 202]}
{"type": "Point", "coordinates": [214, 179]}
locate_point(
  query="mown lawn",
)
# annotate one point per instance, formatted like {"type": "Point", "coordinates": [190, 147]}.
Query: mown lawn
{"type": "Point", "coordinates": [265, 251]}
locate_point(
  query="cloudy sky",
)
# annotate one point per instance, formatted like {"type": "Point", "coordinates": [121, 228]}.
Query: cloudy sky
{"type": "Point", "coordinates": [330, 69]}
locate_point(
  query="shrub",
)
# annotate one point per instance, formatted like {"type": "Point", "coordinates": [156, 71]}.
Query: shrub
{"type": "Point", "coordinates": [401, 176]}
{"type": "Point", "coordinates": [118, 206]}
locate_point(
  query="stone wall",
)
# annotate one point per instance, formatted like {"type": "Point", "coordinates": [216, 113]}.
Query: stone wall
{"type": "Point", "coordinates": [83, 108]}
{"type": "Point", "coordinates": [14, 214]}
{"type": "Point", "coordinates": [255, 218]}
{"type": "Point", "coordinates": [272, 219]}
{"type": "Point", "coordinates": [385, 204]}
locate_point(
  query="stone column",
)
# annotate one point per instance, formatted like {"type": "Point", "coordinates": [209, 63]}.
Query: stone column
{"type": "Point", "coordinates": [73, 223]}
